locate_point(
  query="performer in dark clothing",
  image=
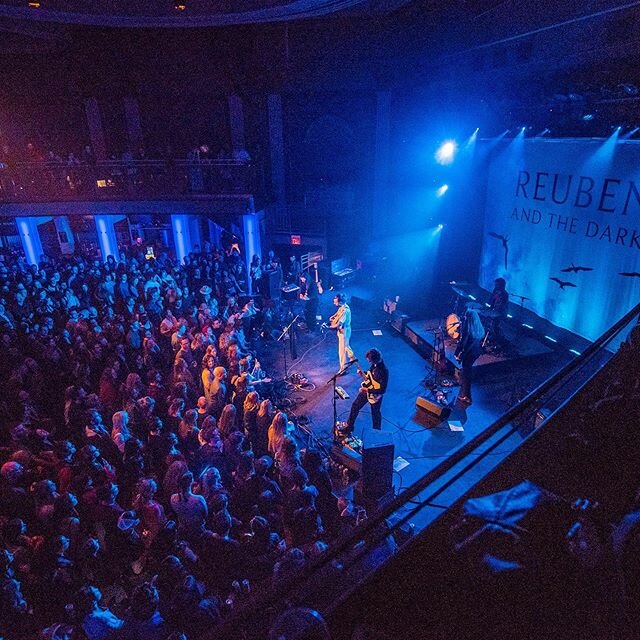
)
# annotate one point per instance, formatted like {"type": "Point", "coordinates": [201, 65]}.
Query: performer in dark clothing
{"type": "Point", "coordinates": [499, 300]}
{"type": "Point", "coordinates": [372, 390]}
{"type": "Point", "coordinates": [309, 293]}
{"type": "Point", "coordinates": [468, 349]}
{"type": "Point", "coordinates": [499, 304]}
{"type": "Point", "coordinates": [293, 271]}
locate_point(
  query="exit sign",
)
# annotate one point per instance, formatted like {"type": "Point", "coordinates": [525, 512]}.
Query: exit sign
{"type": "Point", "coordinates": [296, 240]}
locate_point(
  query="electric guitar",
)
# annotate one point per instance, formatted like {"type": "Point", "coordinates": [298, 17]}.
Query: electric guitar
{"type": "Point", "coordinates": [369, 384]}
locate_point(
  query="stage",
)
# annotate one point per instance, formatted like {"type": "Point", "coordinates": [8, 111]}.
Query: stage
{"type": "Point", "coordinates": [419, 446]}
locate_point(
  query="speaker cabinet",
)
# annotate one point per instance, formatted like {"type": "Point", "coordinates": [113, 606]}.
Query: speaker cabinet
{"type": "Point", "coordinates": [378, 454]}
{"type": "Point", "coordinates": [271, 284]}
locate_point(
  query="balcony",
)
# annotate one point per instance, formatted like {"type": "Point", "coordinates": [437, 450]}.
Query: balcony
{"type": "Point", "coordinates": [131, 180]}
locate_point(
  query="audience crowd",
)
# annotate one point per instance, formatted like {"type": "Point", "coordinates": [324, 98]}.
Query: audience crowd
{"type": "Point", "coordinates": [147, 483]}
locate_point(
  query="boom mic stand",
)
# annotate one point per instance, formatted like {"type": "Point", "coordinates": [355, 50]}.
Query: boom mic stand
{"type": "Point", "coordinates": [281, 337]}
{"type": "Point", "coordinates": [332, 381]}
{"type": "Point", "coordinates": [433, 380]}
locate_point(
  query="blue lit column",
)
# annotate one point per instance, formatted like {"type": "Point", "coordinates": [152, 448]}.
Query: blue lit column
{"type": "Point", "coordinates": [252, 244]}
{"type": "Point", "coordinates": [180, 226]}
{"type": "Point", "coordinates": [30, 237]}
{"type": "Point", "coordinates": [105, 228]}
{"type": "Point", "coordinates": [194, 232]}
{"type": "Point", "coordinates": [215, 234]}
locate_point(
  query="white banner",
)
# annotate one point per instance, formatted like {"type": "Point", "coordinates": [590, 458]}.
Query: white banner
{"type": "Point", "coordinates": [562, 224]}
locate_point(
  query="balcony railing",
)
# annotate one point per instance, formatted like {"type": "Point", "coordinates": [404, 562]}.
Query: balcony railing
{"type": "Point", "coordinates": [135, 179]}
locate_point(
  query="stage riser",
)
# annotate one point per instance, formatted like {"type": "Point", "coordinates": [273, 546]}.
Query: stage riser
{"type": "Point", "coordinates": [425, 349]}
{"type": "Point", "coordinates": [484, 371]}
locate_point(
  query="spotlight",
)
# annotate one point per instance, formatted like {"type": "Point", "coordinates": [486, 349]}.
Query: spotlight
{"type": "Point", "coordinates": [588, 117]}
{"type": "Point", "coordinates": [442, 190]}
{"type": "Point", "coordinates": [180, 5]}
{"type": "Point", "coordinates": [472, 138]}
{"type": "Point", "coordinates": [544, 132]}
{"type": "Point", "coordinates": [446, 152]}
{"type": "Point", "coordinates": [441, 226]}
{"type": "Point", "coordinates": [34, 4]}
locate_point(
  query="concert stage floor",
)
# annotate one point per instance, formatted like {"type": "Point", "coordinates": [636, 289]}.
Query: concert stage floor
{"type": "Point", "coordinates": [420, 446]}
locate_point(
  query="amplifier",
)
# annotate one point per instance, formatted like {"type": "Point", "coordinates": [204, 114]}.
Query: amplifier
{"type": "Point", "coordinates": [435, 413]}
{"type": "Point", "coordinates": [398, 321]}
{"type": "Point", "coordinates": [347, 458]}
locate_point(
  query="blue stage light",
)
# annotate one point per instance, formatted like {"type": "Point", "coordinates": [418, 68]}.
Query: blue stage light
{"type": "Point", "coordinates": [442, 190]}
{"type": "Point", "coordinates": [446, 152]}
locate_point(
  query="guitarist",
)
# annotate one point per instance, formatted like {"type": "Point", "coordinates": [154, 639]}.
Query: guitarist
{"type": "Point", "coordinates": [341, 322]}
{"type": "Point", "coordinates": [373, 387]}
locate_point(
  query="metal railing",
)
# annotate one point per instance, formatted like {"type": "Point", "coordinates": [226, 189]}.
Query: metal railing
{"type": "Point", "coordinates": [328, 580]}
{"type": "Point", "coordinates": [126, 179]}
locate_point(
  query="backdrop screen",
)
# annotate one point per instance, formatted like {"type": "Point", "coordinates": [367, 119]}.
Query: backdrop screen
{"type": "Point", "coordinates": [562, 223]}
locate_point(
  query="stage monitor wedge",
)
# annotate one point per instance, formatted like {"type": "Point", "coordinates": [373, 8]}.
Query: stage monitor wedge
{"type": "Point", "coordinates": [435, 413]}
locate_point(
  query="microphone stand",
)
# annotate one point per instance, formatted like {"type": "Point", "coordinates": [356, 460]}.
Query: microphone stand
{"type": "Point", "coordinates": [332, 380]}
{"type": "Point", "coordinates": [281, 338]}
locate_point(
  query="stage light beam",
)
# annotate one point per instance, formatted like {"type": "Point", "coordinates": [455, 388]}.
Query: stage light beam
{"type": "Point", "coordinates": [446, 152]}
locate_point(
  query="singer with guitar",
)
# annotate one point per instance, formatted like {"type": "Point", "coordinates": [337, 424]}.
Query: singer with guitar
{"type": "Point", "coordinates": [373, 387]}
{"type": "Point", "coordinates": [340, 321]}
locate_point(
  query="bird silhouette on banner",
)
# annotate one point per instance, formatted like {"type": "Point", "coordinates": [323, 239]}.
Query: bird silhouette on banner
{"type": "Point", "coordinates": [505, 245]}
{"type": "Point", "coordinates": [574, 269]}
{"type": "Point", "coordinates": [563, 283]}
